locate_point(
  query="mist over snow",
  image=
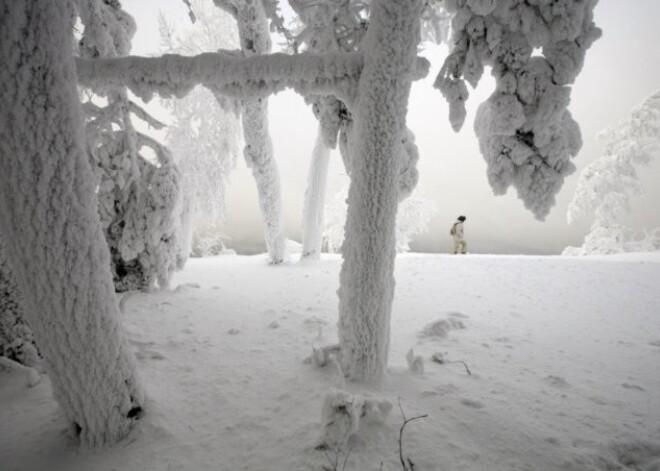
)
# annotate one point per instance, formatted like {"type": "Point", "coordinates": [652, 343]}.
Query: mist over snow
{"type": "Point", "coordinates": [620, 71]}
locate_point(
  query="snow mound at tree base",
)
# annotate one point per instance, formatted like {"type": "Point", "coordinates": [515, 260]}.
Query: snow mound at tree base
{"type": "Point", "coordinates": [441, 327]}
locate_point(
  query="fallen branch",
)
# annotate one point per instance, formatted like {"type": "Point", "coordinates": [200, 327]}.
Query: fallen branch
{"type": "Point", "coordinates": [438, 358]}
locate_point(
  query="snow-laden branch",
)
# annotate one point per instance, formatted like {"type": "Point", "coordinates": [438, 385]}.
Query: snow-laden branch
{"type": "Point", "coordinates": [173, 75]}
{"type": "Point", "coordinates": [536, 50]}
{"type": "Point", "coordinates": [606, 186]}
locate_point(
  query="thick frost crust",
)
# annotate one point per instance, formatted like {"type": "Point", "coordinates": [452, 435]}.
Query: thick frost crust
{"type": "Point", "coordinates": [536, 49]}
{"type": "Point", "coordinates": [16, 339]}
{"type": "Point", "coordinates": [50, 224]}
{"type": "Point", "coordinates": [227, 72]}
{"type": "Point", "coordinates": [366, 278]}
{"type": "Point", "coordinates": [231, 74]}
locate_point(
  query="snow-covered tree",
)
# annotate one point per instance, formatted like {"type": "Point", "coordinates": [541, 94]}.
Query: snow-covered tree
{"type": "Point", "coordinates": [16, 339]}
{"type": "Point", "coordinates": [204, 134]}
{"type": "Point", "coordinates": [536, 50]}
{"type": "Point", "coordinates": [366, 279]}
{"type": "Point", "coordinates": [607, 186]}
{"type": "Point", "coordinates": [374, 82]}
{"type": "Point", "coordinates": [51, 226]}
{"type": "Point", "coordinates": [412, 218]}
{"type": "Point", "coordinates": [140, 201]}
{"type": "Point", "coordinates": [329, 26]}
{"type": "Point", "coordinates": [326, 27]}
{"type": "Point", "coordinates": [254, 39]}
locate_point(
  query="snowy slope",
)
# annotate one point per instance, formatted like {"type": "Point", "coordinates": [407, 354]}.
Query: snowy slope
{"type": "Point", "coordinates": [564, 355]}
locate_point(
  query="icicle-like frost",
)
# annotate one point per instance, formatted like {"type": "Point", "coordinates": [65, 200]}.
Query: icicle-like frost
{"type": "Point", "coordinates": [51, 227]}
{"type": "Point", "coordinates": [525, 131]}
{"type": "Point", "coordinates": [366, 279]}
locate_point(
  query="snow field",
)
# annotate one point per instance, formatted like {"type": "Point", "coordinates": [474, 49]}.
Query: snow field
{"type": "Point", "coordinates": [564, 356]}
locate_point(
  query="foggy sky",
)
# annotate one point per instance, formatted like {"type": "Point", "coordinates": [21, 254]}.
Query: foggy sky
{"type": "Point", "coordinates": [621, 70]}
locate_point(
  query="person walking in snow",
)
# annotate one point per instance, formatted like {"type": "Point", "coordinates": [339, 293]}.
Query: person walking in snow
{"type": "Point", "coordinates": [460, 245]}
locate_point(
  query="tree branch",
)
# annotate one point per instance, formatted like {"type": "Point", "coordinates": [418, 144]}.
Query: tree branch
{"type": "Point", "coordinates": [406, 422]}
{"type": "Point", "coordinates": [172, 75]}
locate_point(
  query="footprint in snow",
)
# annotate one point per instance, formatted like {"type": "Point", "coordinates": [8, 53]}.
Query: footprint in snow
{"type": "Point", "coordinates": [186, 287]}
{"type": "Point", "coordinates": [474, 404]}
{"type": "Point", "coordinates": [632, 386]}
{"type": "Point", "coordinates": [556, 381]}
{"type": "Point", "coordinates": [148, 354]}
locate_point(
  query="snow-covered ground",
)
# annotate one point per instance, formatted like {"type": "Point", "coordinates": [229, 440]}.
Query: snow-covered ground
{"type": "Point", "coordinates": [564, 355]}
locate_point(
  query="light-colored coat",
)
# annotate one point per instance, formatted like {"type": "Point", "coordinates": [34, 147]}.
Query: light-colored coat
{"type": "Point", "coordinates": [460, 244]}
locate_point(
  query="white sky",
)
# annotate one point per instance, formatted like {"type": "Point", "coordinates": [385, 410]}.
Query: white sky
{"type": "Point", "coordinates": [621, 69]}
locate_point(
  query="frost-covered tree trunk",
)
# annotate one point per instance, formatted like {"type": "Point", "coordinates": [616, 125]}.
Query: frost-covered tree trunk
{"type": "Point", "coordinates": [254, 37]}
{"type": "Point", "coordinates": [366, 279]}
{"type": "Point", "coordinates": [16, 339]}
{"type": "Point", "coordinates": [312, 222]}
{"type": "Point", "coordinates": [50, 223]}
{"type": "Point", "coordinates": [328, 27]}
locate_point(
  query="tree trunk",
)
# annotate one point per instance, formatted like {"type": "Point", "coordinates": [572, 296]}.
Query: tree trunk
{"type": "Point", "coordinates": [366, 278]}
{"type": "Point", "coordinates": [16, 339]}
{"type": "Point", "coordinates": [312, 229]}
{"type": "Point", "coordinates": [50, 223]}
{"type": "Point", "coordinates": [255, 39]}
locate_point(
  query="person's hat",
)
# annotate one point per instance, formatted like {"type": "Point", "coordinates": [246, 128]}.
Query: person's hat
{"type": "Point", "coordinates": [462, 218]}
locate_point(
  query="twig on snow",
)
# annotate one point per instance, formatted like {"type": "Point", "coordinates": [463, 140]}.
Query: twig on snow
{"type": "Point", "coordinates": [409, 466]}
{"type": "Point", "coordinates": [438, 358]}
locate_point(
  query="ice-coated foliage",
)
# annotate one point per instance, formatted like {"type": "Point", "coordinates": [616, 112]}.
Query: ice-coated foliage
{"type": "Point", "coordinates": [615, 238]}
{"type": "Point", "coordinates": [607, 185]}
{"type": "Point", "coordinates": [412, 218]}
{"type": "Point", "coordinates": [16, 339]}
{"type": "Point", "coordinates": [204, 132]}
{"type": "Point", "coordinates": [536, 50]}
{"type": "Point", "coordinates": [366, 278]}
{"type": "Point", "coordinates": [139, 198]}
{"type": "Point", "coordinates": [51, 228]}
{"type": "Point", "coordinates": [436, 22]}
